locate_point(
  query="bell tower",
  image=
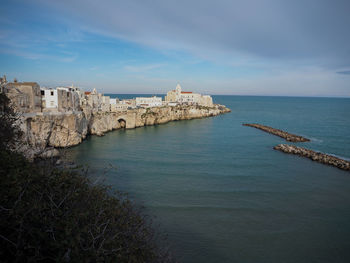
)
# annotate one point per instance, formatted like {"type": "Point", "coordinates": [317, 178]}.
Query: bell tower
{"type": "Point", "coordinates": [178, 89]}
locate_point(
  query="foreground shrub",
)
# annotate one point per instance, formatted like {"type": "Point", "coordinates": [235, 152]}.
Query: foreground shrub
{"type": "Point", "coordinates": [59, 215]}
{"type": "Point", "coordinates": [49, 214]}
{"type": "Point", "coordinates": [10, 131]}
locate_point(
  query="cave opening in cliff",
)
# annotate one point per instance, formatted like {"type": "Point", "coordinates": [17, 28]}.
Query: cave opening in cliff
{"type": "Point", "coordinates": [122, 123]}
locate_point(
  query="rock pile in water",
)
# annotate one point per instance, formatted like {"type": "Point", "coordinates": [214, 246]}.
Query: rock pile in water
{"type": "Point", "coordinates": [315, 156]}
{"type": "Point", "coordinates": [287, 136]}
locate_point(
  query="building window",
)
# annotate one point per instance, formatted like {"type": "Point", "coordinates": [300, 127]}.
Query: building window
{"type": "Point", "coordinates": [42, 93]}
{"type": "Point", "coordinates": [51, 93]}
{"type": "Point", "coordinates": [22, 102]}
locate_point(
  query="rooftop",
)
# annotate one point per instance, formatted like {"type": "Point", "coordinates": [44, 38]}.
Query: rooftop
{"type": "Point", "coordinates": [22, 83]}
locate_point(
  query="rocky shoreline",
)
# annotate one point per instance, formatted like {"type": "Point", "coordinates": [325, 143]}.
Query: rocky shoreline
{"type": "Point", "coordinates": [43, 133]}
{"type": "Point", "coordinates": [285, 135]}
{"type": "Point", "coordinates": [315, 156]}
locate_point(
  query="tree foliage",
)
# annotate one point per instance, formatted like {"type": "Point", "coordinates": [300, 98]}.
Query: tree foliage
{"type": "Point", "coordinates": [51, 214]}
{"type": "Point", "coordinates": [10, 131]}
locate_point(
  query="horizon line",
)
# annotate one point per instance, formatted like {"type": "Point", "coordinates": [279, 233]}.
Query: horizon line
{"type": "Point", "coordinates": [241, 95]}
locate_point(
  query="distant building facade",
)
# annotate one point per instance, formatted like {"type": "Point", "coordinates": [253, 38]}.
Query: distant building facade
{"type": "Point", "coordinates": [49, 99]}
{"type": "Point", "coordinates": [28, 97]}
{"type": "Point", "coordinates": [148, 101]}
{"type": "Point", "coordinates": [113, 100]}
{"type": "Point", "coordinates": [188, 97]}
{"type": "Point", "coordinates": [68, 99]}
{"type": "Point", "coordinates": [105, 103]}
{"type": "Point", "coordinates": [113, 104]}
{"type": "Point", "coordinates": [25, 96]}
{"type": "Point", "coordinates": [122, 105]}
{"type": "Point", "coordinates": [97, 101]}
{"type": "Point", "coordinates": [61, 99]}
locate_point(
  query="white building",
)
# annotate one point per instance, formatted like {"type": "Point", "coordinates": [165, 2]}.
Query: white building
{"type": "Point", "coordinates": [119, 107]}
{"type": "Point", "coordinates": [148, 102]}
{"type": "Point", "coordinates": [49, 98]}
{"type": "Point", "coordinates": [60, 99]}
{"type": "Point", "coordinates": [105, 103]}
{"type": "Point", "coordinates": [122, 105]}
{"type": "Point", "coordinates": [97, 101]}
{"type": "Point", "coordinates": [131, 103]}
{"type": "Point", "coordinates": [113, 104]}
{"type": "Point", "coordinates": [114, 101]}
{"type": "Point", "coordinates": [188, 97]}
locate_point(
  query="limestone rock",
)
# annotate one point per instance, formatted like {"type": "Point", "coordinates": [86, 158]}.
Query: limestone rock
{"type": "Point", "coordinates": [287, 136]}
{"type": "Point", "coordinates": [68, 129]}
{"type": "Point", "coordinates": [59, 130]}
{"type": "Point", "coordinates": [315, 156]}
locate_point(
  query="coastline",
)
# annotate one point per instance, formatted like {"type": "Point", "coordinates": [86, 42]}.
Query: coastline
{"type": "Point", "coordinates": [43, 133]}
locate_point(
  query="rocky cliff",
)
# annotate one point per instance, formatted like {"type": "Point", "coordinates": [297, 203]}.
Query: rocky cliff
{"type": "Point", "coordinates": [42, 131]}
{"type": "Point", "coordinates": [161, 115]}
{"type": "Point", "coordinates": [56, 130]}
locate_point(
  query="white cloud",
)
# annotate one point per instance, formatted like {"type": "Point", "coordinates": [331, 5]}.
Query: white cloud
{"type": "Point", "coordinates": [251, 28]}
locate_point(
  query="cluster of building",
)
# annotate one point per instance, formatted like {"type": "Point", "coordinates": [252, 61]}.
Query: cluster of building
{"type": "Point", "coordinates": [29, 97]}
{"type": "Point", "coordinates": [188, 97]}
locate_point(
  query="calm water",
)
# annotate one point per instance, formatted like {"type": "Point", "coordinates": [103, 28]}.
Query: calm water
{"type": "Point", "coordinates": [220, 191]}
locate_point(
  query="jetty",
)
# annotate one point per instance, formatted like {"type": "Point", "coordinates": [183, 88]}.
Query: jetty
{"type": "Point", "coordinates": [285, 135]}
{"type": "Point", "coordinates": [315, 156]}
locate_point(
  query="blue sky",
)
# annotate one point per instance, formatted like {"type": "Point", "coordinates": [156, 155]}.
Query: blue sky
{"type": "Point", "coordinates": [250, 47]}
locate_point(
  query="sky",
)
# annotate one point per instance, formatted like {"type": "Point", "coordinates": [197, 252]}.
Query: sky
{"type": "Point", "coordinates": [232, 47]}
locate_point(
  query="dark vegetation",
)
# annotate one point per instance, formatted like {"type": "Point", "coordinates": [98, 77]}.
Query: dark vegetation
{"type": "Point", "coordinates": [50, 214]}
{"type": "Point", "coordinates": [10, 133]}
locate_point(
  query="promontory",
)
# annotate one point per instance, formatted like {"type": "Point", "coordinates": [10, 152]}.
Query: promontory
{"type": "Point", "coordinates": [59, 117]}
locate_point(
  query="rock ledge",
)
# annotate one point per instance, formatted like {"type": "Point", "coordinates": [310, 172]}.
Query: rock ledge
{"type": "Point", "coordinates": [315, 156]}
{"type": "Point", "coordinates": [285, 135]}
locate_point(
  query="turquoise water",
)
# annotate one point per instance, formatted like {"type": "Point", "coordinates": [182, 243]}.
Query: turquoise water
{"type": "Point", "coordinates": [220, 191]}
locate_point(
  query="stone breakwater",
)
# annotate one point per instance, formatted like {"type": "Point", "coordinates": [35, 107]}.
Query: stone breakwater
{"type": "Point", "coordinates": [50, 131]}
{"type": "Point", "coordinates": [285, 135]}
{"type": "Point", "coordinates": [315, 156]}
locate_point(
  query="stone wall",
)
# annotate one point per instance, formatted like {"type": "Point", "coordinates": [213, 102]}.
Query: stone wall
{"type": "Point", "coordinates": [25, 96]}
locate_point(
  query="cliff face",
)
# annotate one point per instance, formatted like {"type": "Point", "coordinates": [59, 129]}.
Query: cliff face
{"type": "Point", "coordinates": [107, 121]}
{"type": "Point", "coordinates": [55, 130]}
{"type": "Point", "coordinates": [65, 130]}
{"type": "Point", "coordinates": [153, 116]}
{"type": "Point", "coordinates": [102, 122]}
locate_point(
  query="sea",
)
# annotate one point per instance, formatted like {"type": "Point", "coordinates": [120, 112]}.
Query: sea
{"type": "Point", "coordinates": [219, 190]}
